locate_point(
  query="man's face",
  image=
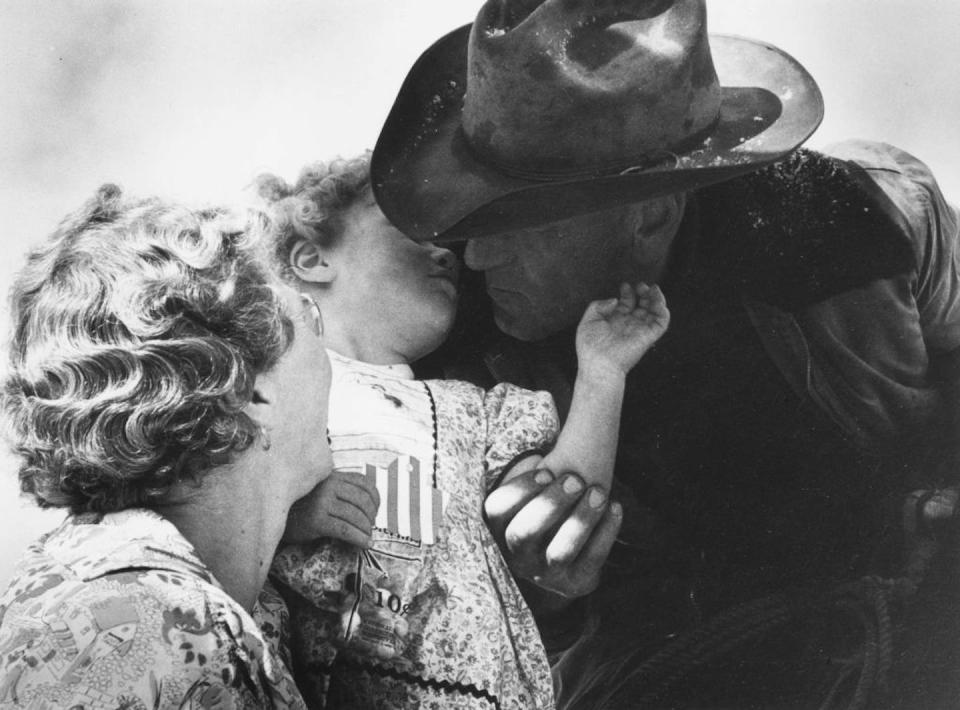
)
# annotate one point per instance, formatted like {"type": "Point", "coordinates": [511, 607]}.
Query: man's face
{"type": "Point", "coordinates": [541, 279]}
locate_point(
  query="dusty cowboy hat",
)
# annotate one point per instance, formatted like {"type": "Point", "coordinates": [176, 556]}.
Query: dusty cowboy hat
{"type": "Point", "coordinates": [545, 109]}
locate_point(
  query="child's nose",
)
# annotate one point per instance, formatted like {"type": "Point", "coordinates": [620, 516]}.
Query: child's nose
{"type": "Point", "coordinates": [444, 258]}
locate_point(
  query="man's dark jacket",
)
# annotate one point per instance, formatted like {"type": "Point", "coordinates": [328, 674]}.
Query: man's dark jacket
{"type": "Point", "coordinates": [769, 439]}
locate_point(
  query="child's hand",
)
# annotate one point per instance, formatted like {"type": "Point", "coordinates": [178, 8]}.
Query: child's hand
{"type": "Point", "coordinates": [618, 332]}
{"type": "Point", "coordinates": [344, 506]}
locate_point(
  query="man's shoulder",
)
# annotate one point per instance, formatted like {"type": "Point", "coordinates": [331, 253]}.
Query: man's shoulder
{"type": "Point", "coordinates": [876, 155]}
{"type": "Point", "coordinates": [803, 229]}
{"type": "Point", "coordinates": [909, 185]}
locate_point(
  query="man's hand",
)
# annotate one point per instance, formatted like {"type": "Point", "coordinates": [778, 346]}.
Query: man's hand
{"type": "Point", "coordinates": [552, 531]}
{"type": "Point", "coordinates": [616, 333]}
{"type": "Point", "coordinates": [344, 506]}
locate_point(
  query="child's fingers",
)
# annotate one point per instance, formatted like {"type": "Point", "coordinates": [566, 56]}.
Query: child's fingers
{"type": "Point", "coordinates": [348, 531]}
{"type": "Point", "coordinates": [658, 302]}
{"type": "Point", "coordinates": [628, 299]}
{"type": "Point", "coordinates": [358, 507]}
{"type": "Point", "coordinates": [361, 492]}
{"type": "Point", "coordinates": [599, 309]}
{"type": "Point", "coordinates": [651, 298]}
{"type": "Point", "coordinates": [352, 516]}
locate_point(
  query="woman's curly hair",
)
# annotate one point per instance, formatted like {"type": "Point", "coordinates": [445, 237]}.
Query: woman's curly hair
{"type": "Point", "coordinates": [314, 206]}
{"type": "Point", "coordinates": [139, 328]}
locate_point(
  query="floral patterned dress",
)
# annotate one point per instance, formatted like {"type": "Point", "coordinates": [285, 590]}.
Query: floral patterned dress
{"type": "Point", "coordinates": [117, 611]}
{"type": "Point", "coordinates": [430, 617]}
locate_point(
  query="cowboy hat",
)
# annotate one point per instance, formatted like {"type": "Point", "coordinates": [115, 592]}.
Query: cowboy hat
{"type": "Point", "coordinates": [546, 109]}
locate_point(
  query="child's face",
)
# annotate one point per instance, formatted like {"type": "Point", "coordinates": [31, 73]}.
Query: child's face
{"type": "Point", "coordinates": [392, 287]}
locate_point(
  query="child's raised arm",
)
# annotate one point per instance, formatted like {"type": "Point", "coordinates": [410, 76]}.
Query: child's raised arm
{"type": "Point", "coordinates": [612, 337]}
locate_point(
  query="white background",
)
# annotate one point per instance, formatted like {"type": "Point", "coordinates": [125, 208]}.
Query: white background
{"type": "Point", "coordinates": [192, 98]}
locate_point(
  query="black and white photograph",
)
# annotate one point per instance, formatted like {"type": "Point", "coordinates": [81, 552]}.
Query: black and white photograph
{"type": "Point", "coordinates": [480, 354]}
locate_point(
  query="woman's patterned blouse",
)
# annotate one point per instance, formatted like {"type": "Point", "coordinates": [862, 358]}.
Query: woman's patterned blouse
{"type": "Point", "coordinates": [117, 611]}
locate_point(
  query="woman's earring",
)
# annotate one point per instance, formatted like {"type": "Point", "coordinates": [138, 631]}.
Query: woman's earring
{"type": "Point", "coordinates": [264, 438]}
{"type": "Point", "coordinates": [314, 307]}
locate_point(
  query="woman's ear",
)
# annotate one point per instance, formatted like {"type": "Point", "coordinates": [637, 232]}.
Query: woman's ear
{"type": "Point", "coordinates": [262, 400]}
{"type": "Point", "coordinates": [310, 263]}
{"type": "Point", "coordinates": [261, 408]}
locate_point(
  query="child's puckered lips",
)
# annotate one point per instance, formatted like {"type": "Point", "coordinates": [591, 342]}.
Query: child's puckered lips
{"type": "Point", "coordinates": [448, 275]}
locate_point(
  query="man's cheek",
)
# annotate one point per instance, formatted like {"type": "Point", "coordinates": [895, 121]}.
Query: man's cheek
{"type": "Point", "coordinates": [506, 306]}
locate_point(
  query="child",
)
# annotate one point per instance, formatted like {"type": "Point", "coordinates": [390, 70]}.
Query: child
{"type": "Point", "coordinates": [424, 612]}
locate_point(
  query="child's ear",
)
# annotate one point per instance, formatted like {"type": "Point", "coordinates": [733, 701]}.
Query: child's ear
{"type": "Point", "coordinates": [310, 263]}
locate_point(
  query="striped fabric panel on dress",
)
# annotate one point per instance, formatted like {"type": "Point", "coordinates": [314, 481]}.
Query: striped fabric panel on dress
{"type": "Point", "coordinates": [409, 505]}
{"type": "Point", "coordinates": [382, 426]}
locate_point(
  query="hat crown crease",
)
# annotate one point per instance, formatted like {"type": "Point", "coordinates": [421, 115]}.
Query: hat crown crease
{"type": "Point", "coordinates": [579, 85]}
{"type": "Point", "coordinates": [507, 15]}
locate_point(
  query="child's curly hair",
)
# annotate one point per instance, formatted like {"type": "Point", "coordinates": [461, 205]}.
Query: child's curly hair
{"type": "Point", "coordinates": [313, 207]}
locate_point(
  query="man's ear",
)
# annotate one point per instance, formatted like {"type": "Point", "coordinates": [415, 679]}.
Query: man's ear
{"type": "Point", "coordinates": [652, 218]}
{"type": "Point", "coordinates": [654, 224]}
{"type": "Point", "coordinates": [310, 263]}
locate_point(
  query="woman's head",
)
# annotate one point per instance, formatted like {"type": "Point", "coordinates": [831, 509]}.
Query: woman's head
{"type": "Point", "coordinates": [140, 328]}
{"type": "Point", "coordinates": [384, 297]}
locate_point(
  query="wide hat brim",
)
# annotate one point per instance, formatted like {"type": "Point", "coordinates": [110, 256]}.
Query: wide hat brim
{"type": "Point", "coordinates": [432, 186]}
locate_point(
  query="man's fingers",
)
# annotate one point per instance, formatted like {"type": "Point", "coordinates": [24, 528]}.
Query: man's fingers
{"type": "Point", "coordinates": [534, 524]}
{"type": "Point", "coordinates": [595, 552]}
{"type": "Point", "coordinates": [577, 530]}
{"type": "Point", "coordinates": [530, 462]}
{"type": "Point", "coordinates": [504, 502]}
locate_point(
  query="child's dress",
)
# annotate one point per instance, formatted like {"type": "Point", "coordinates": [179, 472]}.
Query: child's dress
{"type": "Point", "coordinates": [430, 617]}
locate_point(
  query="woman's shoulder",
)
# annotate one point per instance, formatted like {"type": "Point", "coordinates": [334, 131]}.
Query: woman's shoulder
{"type": "Point", "coordinates": [144, 634]}
{"type": "Point", "coordinates": [89, 560]}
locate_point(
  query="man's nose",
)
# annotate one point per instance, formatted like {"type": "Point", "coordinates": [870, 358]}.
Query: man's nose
{"type": "Point", "coordinates": [485, 253]}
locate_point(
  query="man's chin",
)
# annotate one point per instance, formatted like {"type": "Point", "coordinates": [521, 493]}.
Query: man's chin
{"type": "Point", "coordinates": [520, 328]}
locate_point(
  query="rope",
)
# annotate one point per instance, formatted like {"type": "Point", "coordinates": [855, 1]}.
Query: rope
{"type": "Point", "coordinates": [867, 600]}
{"type": "Point", "coordinates": [862, 680]}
